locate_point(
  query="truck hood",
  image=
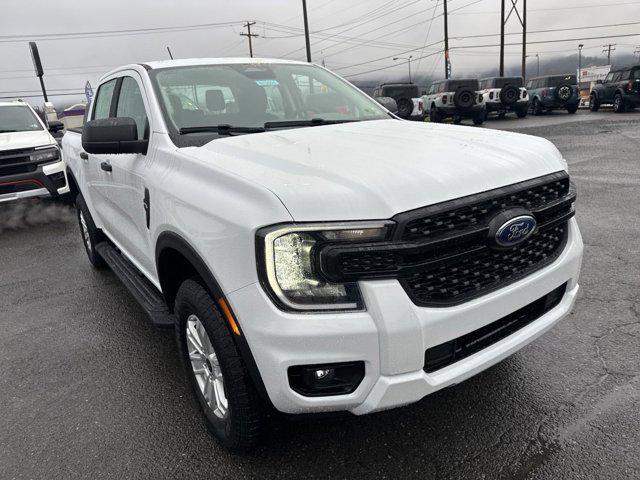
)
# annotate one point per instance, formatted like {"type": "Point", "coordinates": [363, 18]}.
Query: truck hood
{"type": "Point", "coordinates": [376, 169]}
{"type": "Point", "coordinates": [17, 140]}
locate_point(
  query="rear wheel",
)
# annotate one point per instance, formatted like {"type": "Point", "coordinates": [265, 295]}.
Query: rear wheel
{"type": "Point", "coordinates": [478, 118]}
{"type": "Point", "coordinates": [434, 116]}
{"type": "Point", "coordinates": [618, 104]}
{"type": "Point", "coordinates": [536, 107]}
{"type": "Point", "coordinates": [572, 109]}
{"type": "Point", "coordinates": [234, 412]}
{"type": "Point", "coordinates": [91, 235]}
{"type": "Point", "coordinates": [405, 107]}
{"type": "Point", "coordinates": [594, 104]}
{"type": "Point", "coordinates": [457, 119]}
{"type": "Point", "coordinates": [521, 112]}
{"type": "Point", "coordinates": [502, 114]}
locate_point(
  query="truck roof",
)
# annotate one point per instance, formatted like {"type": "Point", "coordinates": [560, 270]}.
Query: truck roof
{"type": "Point", "coordinates": [188, 62]}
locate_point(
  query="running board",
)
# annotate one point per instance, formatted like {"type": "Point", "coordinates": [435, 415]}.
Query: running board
{"type": "Point", "coordinates": [147, 295]}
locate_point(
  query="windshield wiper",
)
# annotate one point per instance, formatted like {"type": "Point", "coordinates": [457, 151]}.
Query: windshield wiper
{"type": "Point", "coordinates": [223, 129]}
{"type": "Point", "coordinates": [304, 123]}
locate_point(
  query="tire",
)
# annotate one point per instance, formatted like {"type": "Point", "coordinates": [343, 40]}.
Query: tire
{"type": "Point", "coordinates": [234, 412]}
{"type": "Point", "coordinates": [405, 107]}
{"type": "Point", "coordinates": [572, 109]}
{"type": "Point", "coordinates": [478, 118]}
{"type": "Point", "coordinates": [457, 119]}
{"type": "Point", "coordinates": [536, 108]}
{"type": "Point", "coordinates": [464, 98]}
{"type": "Point", "coordinates": [501, 115]}
{"type": "Point", "coordinates": [594, 104]}
{"type": "Point", "coordinates": [521, 112]}
{"type": "Point", "coordinates": [509, 94]}
{"type": "Point", "coordinates": [618, 104]}
{"type": "Point", "coordinates": [91, 235]}
{"type": "Point", "coordinates": [434, 116]}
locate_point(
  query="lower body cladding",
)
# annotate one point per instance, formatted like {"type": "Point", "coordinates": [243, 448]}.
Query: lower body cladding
{"type": "Point", "coordinates": [407, 351]}
{"type": "Point", "coordinates": [46, 180]}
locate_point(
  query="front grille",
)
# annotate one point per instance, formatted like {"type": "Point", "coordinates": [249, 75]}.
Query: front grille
{"type": "Point", "coordinates": [455, 350]}
{"type": "Point", "coordinates": [14, 162]}
{"type": "Point", "coordinates": [443, 255]}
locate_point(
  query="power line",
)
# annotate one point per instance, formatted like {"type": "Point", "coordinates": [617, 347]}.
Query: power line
{"type": "Point", "coordinates": [577, 7]}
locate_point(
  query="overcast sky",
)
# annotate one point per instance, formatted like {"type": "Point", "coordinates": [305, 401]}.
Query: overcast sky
{"type": "Point", "coordinates": [353, 37]}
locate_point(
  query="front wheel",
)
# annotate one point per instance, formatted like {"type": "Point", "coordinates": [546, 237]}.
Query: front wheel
{"type": "Point", "coordinates": [536, 108]}
{"type": "Point", "coordinates": [618, 104]}
{"type": "Point", "coordinates": [91, 235]}
{"type": "Point", "coordinates": [234, 412]}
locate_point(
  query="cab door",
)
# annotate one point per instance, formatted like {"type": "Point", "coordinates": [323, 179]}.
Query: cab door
{"type": "Point", "coordinates": [125, 209]}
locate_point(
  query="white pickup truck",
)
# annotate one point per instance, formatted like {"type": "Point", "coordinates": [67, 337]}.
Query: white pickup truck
{"type": "Point", "coordinates": [30, 161]}
{"type": "Point", "coordinates": [314, 252]}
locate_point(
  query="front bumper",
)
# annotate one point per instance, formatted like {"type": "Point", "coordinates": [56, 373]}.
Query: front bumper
{"type": "Point", "coordinates": [391, 337]}
{"type": "Point", "coordinates": [46, 180]}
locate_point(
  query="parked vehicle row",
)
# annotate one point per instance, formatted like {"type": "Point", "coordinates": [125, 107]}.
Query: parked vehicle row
{"type": "Point", "coordinates": [478, 99]}
{"type": "Point", "coordinates": [313, 252]}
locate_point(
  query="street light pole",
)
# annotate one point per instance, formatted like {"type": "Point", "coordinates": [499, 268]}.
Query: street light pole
{"type": "Point", "coordinates": [408, 59]}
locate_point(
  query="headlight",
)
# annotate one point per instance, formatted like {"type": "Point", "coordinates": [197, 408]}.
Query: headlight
{"type": "Point", "coordinates": [45, 155]}
{"type": "Point", "coordinates": [289, 268]}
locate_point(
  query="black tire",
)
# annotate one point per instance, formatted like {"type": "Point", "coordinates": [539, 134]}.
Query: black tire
{"type": "Point", "coordinates": [594, 103]}
{"type": "Point", "coordinates": [521, 112]}
{"type": "Point", "coordinates": [618, 104]}
{"type": "Point", "coordinates": [509, 94]}
{"type": "Point", "coordinates": [405, 107]}
{"type": "Point", "coordinates": [572, 109]}
{"type": "Point", "coordinates": [457, 119]}
{"type": "Point", "coordinates": [478, 118]}
{"type": "Point", "coordinates": [501, 115]}
{"type": "Point", "coordinates": [245, 419]}
{"type": "Point", "coordinates": [536, 108]}
{"type": "Point", "coordinates": [434, 116]}
{"type": "Point", "coordinates": [91, 235]}
{"type": "Point", "coordinates": [464, 98]}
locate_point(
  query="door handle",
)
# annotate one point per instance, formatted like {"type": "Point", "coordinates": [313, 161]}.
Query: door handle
{"type": "Point", "coordinates": [106, 166]}
{"type": "Point", "coordinates": [84, 155]}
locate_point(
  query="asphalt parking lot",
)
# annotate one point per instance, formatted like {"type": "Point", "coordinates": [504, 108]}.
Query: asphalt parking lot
{"type": "Point", "coordinates": [88, 389]}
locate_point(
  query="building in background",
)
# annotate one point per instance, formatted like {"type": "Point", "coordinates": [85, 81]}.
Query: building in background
{"type": "Point", "coordinates": [587, 78]}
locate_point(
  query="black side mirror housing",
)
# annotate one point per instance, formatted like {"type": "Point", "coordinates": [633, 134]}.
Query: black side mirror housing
{"type": "Point", "coordinates": [388, 103]}
{"type": "Point", "coordinates": [55, 126]}
{"type": "Point", "coordinates": [112, 136]}
{"type": "Point", "coordinates": [599, 82]}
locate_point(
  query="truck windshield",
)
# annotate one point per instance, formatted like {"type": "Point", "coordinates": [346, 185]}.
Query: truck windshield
{"type": "Point", "coordinates": [248, 96]}
{"type": "Point", "coordinates": [18, 118]}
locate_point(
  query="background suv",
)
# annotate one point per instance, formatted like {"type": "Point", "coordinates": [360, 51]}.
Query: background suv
{"type": "Point", "coordinates": [505, 94]}
{"type": "Point", "coordinates": [621, 87]}
{"type": "Point", "coordinates": [553, 92]}
{"type": "Point", "coordinates": [455, 98]}
{"type": "Point", "coordinates": [407, 97]}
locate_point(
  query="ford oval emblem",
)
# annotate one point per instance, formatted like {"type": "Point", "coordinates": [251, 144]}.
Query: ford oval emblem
{"type": "Point", "coordinates": [515, 231]}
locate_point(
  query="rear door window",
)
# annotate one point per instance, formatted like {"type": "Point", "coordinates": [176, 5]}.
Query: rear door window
{"type": "Point", "coordinates": [104, 97]}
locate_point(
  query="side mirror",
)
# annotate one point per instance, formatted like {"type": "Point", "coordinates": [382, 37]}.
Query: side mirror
{"type": "Point", "coordinates": [388, 103]}
{"type": "Point", "coordinates": [112, 135]}
{"type": "Point", "coordinates": [599, 82]}
{"type": "Point", "coordinates": [55, 126]}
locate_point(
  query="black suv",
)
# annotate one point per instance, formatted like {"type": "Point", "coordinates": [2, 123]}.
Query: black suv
{"type": "Point", "coordinates": [455, 98]}
{"type": "Point", "coordinates": [621, 87]}
{"type": "Point", "coordinates": [553, 92]}
{"type": "Point", "coordinates": [406, 95]}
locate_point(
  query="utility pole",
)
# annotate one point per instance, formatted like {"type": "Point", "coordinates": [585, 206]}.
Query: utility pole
{"type": "Point", "coordinates": [447, 61]}
{"type": "Point", "coordinates": [523, 22]}
{"type": "Point", "coordinates": [502, 39]}
{"type": "Point", "coordinates": [170, 54]}
{"type": "Point", "coordinates": [580, 46]}
{"type": "Point", "coordinates": [306, 29]}
{"type": "Point", "coordinates": [249, 35]}
{"type": "Point", "coordinates": [611, 47]}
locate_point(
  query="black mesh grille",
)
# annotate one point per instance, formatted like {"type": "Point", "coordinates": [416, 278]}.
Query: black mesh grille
{"type": "Point", "coordinates": [446, 254]}
{"type": "Point", "coordinates": [478, 212]}
{"type": "Point", "coordinates": [485, 270]}
{"type": "Point", "coordinates": [13, 162]}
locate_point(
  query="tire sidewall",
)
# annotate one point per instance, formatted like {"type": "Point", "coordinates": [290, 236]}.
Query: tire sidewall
{"type": "Point", "coordinates": [95, 235]}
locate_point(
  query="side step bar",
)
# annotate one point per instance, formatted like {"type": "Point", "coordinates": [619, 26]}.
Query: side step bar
{"type": "Point", "coordinates": [147, 295]}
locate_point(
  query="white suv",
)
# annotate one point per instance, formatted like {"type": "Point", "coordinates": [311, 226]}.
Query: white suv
{"type": "Point", "coordinates": [505, 94]}
{"type": "Point", "coordinates": [31, 163]}
{"type": "Point", "coordinates": [457, 99]}
{"type": "Point", "coordinates": [339, 260]}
